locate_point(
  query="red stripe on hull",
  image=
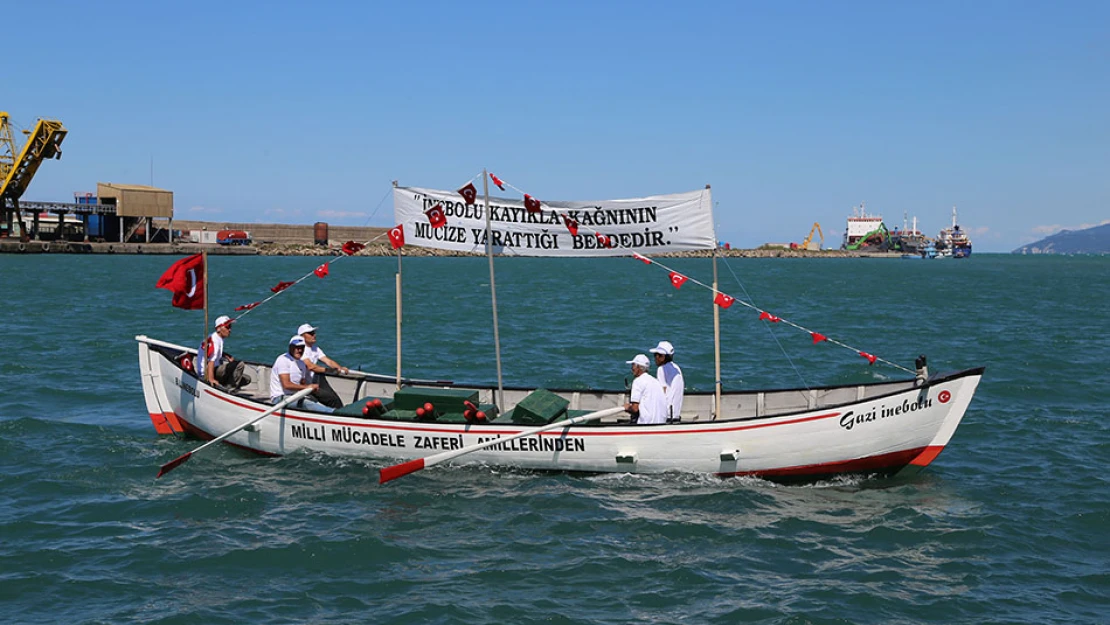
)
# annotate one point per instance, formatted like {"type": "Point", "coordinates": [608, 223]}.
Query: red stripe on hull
{"type": "Point", "coordinates": [884, 463]}
{"type": "Point", "coordinates": [930, 454]}
{"type": "Point", "coordinates": [166, 423]}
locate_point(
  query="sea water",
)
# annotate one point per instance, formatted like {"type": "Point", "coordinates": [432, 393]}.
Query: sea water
{"type": "Point", "coordinates": [1008, 525]}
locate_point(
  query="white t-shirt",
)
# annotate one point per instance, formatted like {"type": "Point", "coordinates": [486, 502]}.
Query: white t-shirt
{"type": "Point", "coordinates": [647, 392]}
{"type": "Point", "coordinates": [290, 365]}
{"type": "Point", "coordinates": [674, 387]}
{"type": "Point", "coordinates": [312, 354]}
{"type": "Point", "coordinates": [215, 345]}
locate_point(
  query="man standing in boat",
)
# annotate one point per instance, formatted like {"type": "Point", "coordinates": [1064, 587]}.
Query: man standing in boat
{"type": "Point", "coordinates": [647, 402]}
{"type": "Point", "coordinates": [289, 375]}
{"type": "Point", "coordinates": [209, 365]}
{"type": "Point", "coordinates": [670, 377]}
{"type": "Point", "coordinates": [313, 355]}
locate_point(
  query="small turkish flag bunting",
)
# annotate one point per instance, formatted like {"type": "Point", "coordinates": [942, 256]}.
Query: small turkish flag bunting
{"type": "Point", "coordinates": [769, 317]}
{"type": "Point", "coordinates": [469, 193]}
{"type": "Point", "coordinates": [281, 286]}
{"type": "Point", "coordinates": [571, 224]}
{"type": "Point", "coordinates": [678, 279]}
{"type": "Point", "coordinates": [724, 301]}
{"type": "Point", "coordinates": [869, 357]}
{"type": "Point", "coordinates": [246, 306]}
{"type": "Point", "coordinates": [436, 216]}
{"type": "Point", "coordinates": [818, 337]}
{"type": "Point", "coordinates": [532, 204]}
{"type": "Point", "coordinates": [497, 181]}
{"type": "Point", "coordinates": [643, 259]}
{"type": "Point", "coordinates": [351, 248]}
{"type": "Point", "coordinates": [604, 241]}
{"type": "Point", "coordinates": [397, 236]}
{"type": "Point", "coordinates": [321, 271]}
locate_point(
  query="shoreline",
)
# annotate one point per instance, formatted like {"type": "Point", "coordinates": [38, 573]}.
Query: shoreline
{"type": "Point", "coordinates": [8, 246]}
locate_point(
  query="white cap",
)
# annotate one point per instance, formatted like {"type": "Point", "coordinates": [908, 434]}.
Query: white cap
{"type": "Point", "coordinates": [297, 339]}
{"type": "Point", "coordinates": [305, 328]}
{"type": "Point", "coordinates": [640, 360]}
{"type": "Point", "coordinates": [223, 320]}
{"type": "Point", "coordinates": [664, 348]}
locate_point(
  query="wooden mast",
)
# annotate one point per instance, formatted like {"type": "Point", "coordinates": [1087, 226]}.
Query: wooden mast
{"type": "Point", "coordinates": [493, 293]}
{"type": "Point", "coordinates": [716, 322]}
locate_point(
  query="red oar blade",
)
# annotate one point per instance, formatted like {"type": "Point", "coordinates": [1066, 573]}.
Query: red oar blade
{"type": "Point", "coordinates": [398, 470]}
{"type": "Point", "coordinates": [173, 464]}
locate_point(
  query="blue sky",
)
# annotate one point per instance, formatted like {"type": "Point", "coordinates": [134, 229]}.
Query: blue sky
{"type": "Point", "coordinates": [793, 111]}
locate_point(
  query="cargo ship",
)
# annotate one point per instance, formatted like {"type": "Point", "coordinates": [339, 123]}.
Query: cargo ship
{"type": "Point", "coordinates": [953, 241]}
{"type": "Point", "coordinates": [866, 233]}
{"type": "Point", "coordinates": [909, 240]}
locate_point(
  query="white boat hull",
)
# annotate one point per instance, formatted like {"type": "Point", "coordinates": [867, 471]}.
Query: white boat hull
{"type": "Point", "coordinates": [804, 434]}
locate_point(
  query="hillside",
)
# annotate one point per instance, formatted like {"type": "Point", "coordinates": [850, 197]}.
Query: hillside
{"type": "Point", "coordinates": [1094, 240]}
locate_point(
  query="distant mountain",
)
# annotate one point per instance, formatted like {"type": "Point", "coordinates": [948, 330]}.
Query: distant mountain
{"type": "Point", "coordinates": [1094, 240]}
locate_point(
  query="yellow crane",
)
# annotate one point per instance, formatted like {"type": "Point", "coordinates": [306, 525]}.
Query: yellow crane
{"type": "Point", "coordinates": [807, 243]}
{"type": "Point", "coordinates": [17, 168]}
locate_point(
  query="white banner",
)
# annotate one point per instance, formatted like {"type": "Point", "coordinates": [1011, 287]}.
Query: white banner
{"type": "Point", "coordinates": [648, 225]}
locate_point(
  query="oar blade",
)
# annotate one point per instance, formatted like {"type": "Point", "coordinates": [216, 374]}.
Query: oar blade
{"type": "Point", "coordinates": [400, 470]}
{"type": "Point", "coordinates": [173, 464]}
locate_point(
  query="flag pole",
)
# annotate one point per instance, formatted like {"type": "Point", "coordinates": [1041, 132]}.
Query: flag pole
{"type": "Point", "coordinates": [398, 315]}
{"type": "Point", "coordinates": [204, 259]}
{"type": "Point", "coordinates": [716, 322]}
{"type": "Point", "coordinates": [493, 294]}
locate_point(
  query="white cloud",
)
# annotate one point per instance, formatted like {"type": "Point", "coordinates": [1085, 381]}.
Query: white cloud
{"type": "Point", "coordinates": [205, 209]}
{"type": "Point", "coordinates": [1054, 228]}
{"type": "Point", "coordinates": [282, 212]}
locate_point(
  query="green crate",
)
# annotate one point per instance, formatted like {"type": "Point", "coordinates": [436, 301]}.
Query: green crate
{"type": "Point", "coordinates": [354, 409]}
{"type": "Point", "coordinates": [539, 408]}
{"type": "Point", "coordinates": [444, 399]}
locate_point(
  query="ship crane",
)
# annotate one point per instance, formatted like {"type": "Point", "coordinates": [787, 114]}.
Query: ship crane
{"type": "Point", "coordinates": [17, 168]}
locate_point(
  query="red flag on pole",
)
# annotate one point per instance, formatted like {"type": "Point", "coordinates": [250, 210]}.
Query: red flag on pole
{"type": "Point", "coordinates": [497, 181]}
{"type": "Point", "coordinates": [436, 216]}
{"type": "Point", "coordinates": [766, 316]}
{"type": "Point", "coordinates": [677, 279]}
{"type": "Point", "coordinates": [532, 204]}
{"type": "Point", "coordinates": [818, 337]}
{"type": "Point", "coordinates": [870, 359]}
{"type": "Point", "coordinates": [281, 286]}
{"type": "Point", "coordinates": [185, 279]}
{"type": "Point", "coordinates": [469, 193]}
{"type": "Point", "coordinates": [572, 225]}
{"type": "Point", "coordinates": [724, 301]}
{"type": "Point", "coordinates": [604, 241]}
{"type": "Point", "coordinates": [643, 259]}
{"type": "Point", "coordinates": [321, 271]}
{"type": "Point", "coordinates": [246, 306]}
{"type": "Point", "coordinates": [397, 236]}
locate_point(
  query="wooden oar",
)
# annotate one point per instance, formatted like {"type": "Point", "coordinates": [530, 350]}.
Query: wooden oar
{"type": "Point", "coordinates": [180, 460]}
{"type": "Point", "coordinates": [412, 466]}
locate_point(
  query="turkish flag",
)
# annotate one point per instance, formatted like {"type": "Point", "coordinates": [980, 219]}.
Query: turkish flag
{"type": "Point", "coordinates": [321, 271]}
{"type": "Point", "coordinates": [764, 315]}
{"type": "Point", "coordinates": [436, 216]}
{"type": "Point", "coordinates": [644, 259]}
{"type": "Point", "coordinates": [185, 279]}
{"type": "Point", "coordinates": [571, 224]}
{"type": "Point", "coordinates": [678, 279]}
{"type": "Point", "coordinates": [351, 248]}
{"type": "Point", "coordinates": [532, 204]}
{"type": "Point", "coordinates": [397, 236]}
{"type": "Point", "coordinates": [469, 193]}
{"type": "Point", "coordinates": [246, 306]}
{"type": "Point", "coordinates": [870, 359]}
{"type": "Point", "coordinates": [604, 241]}
{"type": "Point", "coordinates": [724, 301]}
{"type": "Point", "coordinates": [281, 286]}
{"type": "Point", "coordinates": [818, 337]}
{"type": "Point", "coordinates": [497, 181]}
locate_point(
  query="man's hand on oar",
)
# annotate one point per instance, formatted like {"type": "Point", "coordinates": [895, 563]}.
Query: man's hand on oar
{"type": "Point", "coordinates": [412, 466]}
{"type": "Point", "coordinates": [183, 458]}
